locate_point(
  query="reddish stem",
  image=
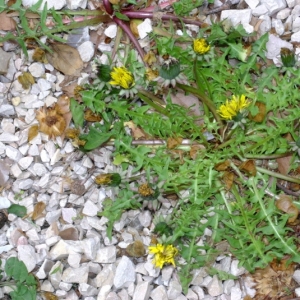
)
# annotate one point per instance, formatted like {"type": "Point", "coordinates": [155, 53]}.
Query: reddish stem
{"type": "Point", "coordinates": [145, 14]}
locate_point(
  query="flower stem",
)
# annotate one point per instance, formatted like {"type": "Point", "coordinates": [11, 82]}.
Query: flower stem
{"type": "Point", "coordinates": [149, 98]}
{"type": "Point", "coordinates": [277, 175]}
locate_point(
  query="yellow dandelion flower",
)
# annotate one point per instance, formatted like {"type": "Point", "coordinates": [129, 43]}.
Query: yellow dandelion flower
{"type": "Point", "coordinates": [163, 254]}
{"type": "Point", "coordinates": [201, 46]}
{"type": "Point", "coordinates": [122, 77]}
{"type": "Point", "coordinates": [234, 107]}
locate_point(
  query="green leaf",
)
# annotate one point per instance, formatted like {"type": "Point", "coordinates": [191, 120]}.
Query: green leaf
{"type": "Point", "coordinates": [95, 138]}
{"type": "Point", "coordinates": [237, 51]}
{"type": "Point", "coordinates": [119, 159]}
{"type": "Point", "coordinates": [184, 7]}
{"type": "Point", "coordinates": [18, 210]}
{"type": "Point", "coordinates": [77, 111]}
{"type": "Point", "coordinates": [58, 269]}
{"type": "Point", "coordinates": [16, 269]}
{"type": "Point", "coordinates": [121, 16]}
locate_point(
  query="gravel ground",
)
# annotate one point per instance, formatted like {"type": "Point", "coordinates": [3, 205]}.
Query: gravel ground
{"type": "Point", "coordinates": [69, 236]}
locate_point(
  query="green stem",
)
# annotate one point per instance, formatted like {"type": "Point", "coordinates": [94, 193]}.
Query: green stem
{"type": "Point", "coordinates": [267, 156]}
{"type": "Point", "coordinates": [277, 175]}
{"type": "Point", "coordinates": [149, 99]}
{"type": "Point", "coordinates": [204, 99]}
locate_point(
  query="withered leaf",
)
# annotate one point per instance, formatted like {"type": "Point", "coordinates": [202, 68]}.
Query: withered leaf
{"type": "Point", "coordinates": [39, 55]}
{"type": "Point", "coordinates": [26, 79]}
{"type": "Point", "coordinates": [136, 131]}
{"type": "Point", "coordinates": [65, 59]}
{"type": "Point", "coordinates": [195, 150]}
{"type": "Point", "coordinates": [284, 164]}
{"type": "Point", "coordinates": [222, 166]}
{"type": "Point", "coordinates": [90, 116]}
{"type": "Point", "coordinates": [248, 167]}
{"type": "Point", "coordinates": [227, 179]}
{"type": "Point", "coordinates": [33, 132]}
{"type": "Point", "coordinates": [49, 296]}
{"type": "Point", "coordinates": [285, 204]}
{"type": "Point", "coordinates": [173, 142]}
{"type": "Point", "coordinates": [38, 210]}
{"type": "Point", "coordinates": [262, 111]}
{"type": "Point", "coordinates": [136, 249]}
{"type": "Point", "coordinates": [133, 26]}
{"type": "Point", "coordinates": [7, 23]}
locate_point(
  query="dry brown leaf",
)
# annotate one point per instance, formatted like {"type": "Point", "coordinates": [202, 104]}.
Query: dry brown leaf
{"type": "Point", "coordinates": [228, 178]}
{"type": "Point", "coordinates": [7, 23]}
{"type": "Point", "coordinates": [69, 234]}
{"type": "Point", "coordinates": [136, 249]}
{"type": "Point", "coordinates": [285, 204]}
{"type": "Point", "coordinates": [137, 132]}
{"type": "Point", "coordinates": [33, 132]}
{"type": "Point", "coordinates": [262, 111]}
{"type": "Point", "coordinates": [38, 210]}
{"type": "Point", "coordinates": [284, 164]}
{"type": "Point", "coordinates": [133, 26]}
{"type": "Point", "coordinates": [90, 116]}
{"type": "Point", "coordinates": [39, 55]}
{"type": "Point", "coordinates": [248, 167]}
{"type": "Point", "coordinates": [222, 166]}
{"type": "Point", "coordinates": [173, 142]}
{"type": "Point", "coordinates": [26, 79]}
{"type": "Point", "coordinates": [49, 296]}
{"type": "Point", "coordinates": [65, 59]}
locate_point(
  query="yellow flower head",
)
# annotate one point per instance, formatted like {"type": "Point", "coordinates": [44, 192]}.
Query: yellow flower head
{"type": "Point", "coordinates": [163, 254]}
{"type": "Point", "coordinates": [201, 46]}
{"type": "Point", "coordinates": [122, 77]}
{"type": "Point", "coordinates": [233, 107]}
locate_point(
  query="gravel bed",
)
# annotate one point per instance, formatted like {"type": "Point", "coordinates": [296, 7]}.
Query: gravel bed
{"type": "Point", "coordinates": [69, 236]}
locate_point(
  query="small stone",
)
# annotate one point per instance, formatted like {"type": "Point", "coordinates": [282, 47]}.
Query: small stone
{"type": "Point", "coordinates": [16, 101]}
{"type": "Point", "coordinates": [69, 214]}
{"type": "Point", "coordinates": [55, 274]}
{"type": "Point", "coordinates": [79, 275]}
{"type": "Point", "coordinates": [191, 295]}
{"type": "Point", "coordinates": [260, 10]}
{"type": "Point", "coordinates": [56, 5]}
{"type": "Point", "coordinates": [252, 3]}
{"type": "Point", "coordinates": [215, 287]}
{"type": "Point", "coordinates": [4, 203]}
{"type": "Point", "coordinates": [45, 268]}
{"type": "Point", "coordinates": [297, 292]}
{"type": "Point", "coordinates": [75, 4]}
{"type": "Point", "coordinates": [227, 286]}
{"type": "Point", "coordinates": [296, 24]}
{"type": "Point", "coordinates": [39, 169]}
{"type": "Point", "coordinates": [26, 253]}
{"type": "Point", "coordinates": [265, 25]}
{"type": "Point", "coordinates": [86, 51]}
{"type": "Point", "coordinates": [166, 273]}
{"type": "Point", "coordinates": [225, 264]}
{"type": "Point", "coordinates": [174, 290]}
{"type": "Point", "coordinates": [25, 162]}
{"type": "Point", "coordinates": [295, 37]}
{"type": "Point", "coordinates": [290, 3]}
{"type": "Point", "coordinates": [90, 209]}
{"type": "Point", "coordinates": [37, 69]}
{"type": "Point", "coordinates": [74, 260]}
{"type": "Point", "coordinates": [43, 84]}
{"type": "Point", "coordinates": [125, 272]}
{"type": "Point", "coordinates": [24, 184]}
{"type": "Point", "coordinates": [53, 216]}
{"type": "Point", "coordinates": [279, 27]}
{"type": "Point", "coordinates": [4, 61]}
{"type": "Point", "coordinates": [142, 291]}
{"type": "Point", "coordinates": [65, 286]}
{"type": "Point", "coordinates": [145, 218]}
{"type": "Point", "coordinates": [104, 291]}
{"type": "Point", "coordinates": [6, 137]}
{"type": "Point", "coordinates": [159, 293]}
{"type": "Point", "coordinates": [235, 270]}
{"type": "Point", "coordinates": [236, 293]}
{"type": "Point", "coordinates": [144, 28]}
{"type": "Point", "coordinates": [283, 14]}
{"type": "Point", "coordinates": [87, 290]}
{"type": "Point", "coordinates": [274, 5]}
{"type": "Point", "coordinates": [296, 276]}
{"type": "Point", "coordinates": [7, 110]}
{"type": "Point", "coordinates": [111, 31]}
{"type": "Point", "coordinates": [106, 255]}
